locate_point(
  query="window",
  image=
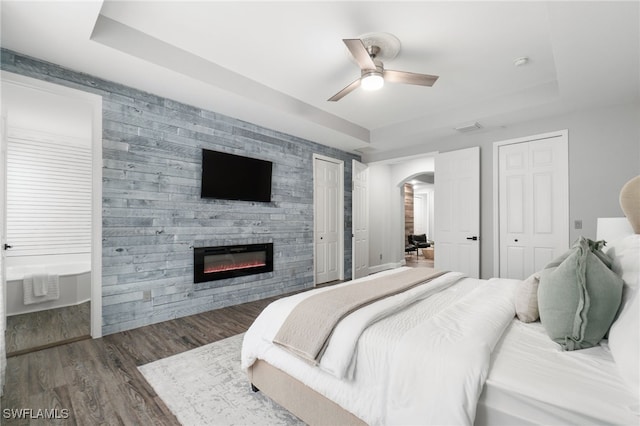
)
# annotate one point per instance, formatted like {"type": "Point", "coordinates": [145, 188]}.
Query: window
{"type": "Point", "coordinates": [48, 194]}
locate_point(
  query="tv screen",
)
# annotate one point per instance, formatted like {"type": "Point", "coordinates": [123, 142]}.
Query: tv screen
{"type": "Point", "coordinates": [234, 177]}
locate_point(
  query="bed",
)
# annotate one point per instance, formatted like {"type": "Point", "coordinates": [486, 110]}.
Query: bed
{"type": "Point", "coordinates": [451, 352]}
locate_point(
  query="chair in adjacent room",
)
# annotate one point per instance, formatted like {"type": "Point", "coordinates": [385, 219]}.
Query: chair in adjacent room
{"type": "Point", "coordinates": [420, 241]}
{"type": "Point", "coordinates": [410, 246]}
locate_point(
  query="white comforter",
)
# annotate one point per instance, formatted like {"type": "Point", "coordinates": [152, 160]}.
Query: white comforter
{"type": "Point", "coordinates": [423, 365]}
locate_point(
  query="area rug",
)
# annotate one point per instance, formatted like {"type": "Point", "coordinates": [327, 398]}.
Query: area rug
{"type": "Point", "coordinates": [205, 386]}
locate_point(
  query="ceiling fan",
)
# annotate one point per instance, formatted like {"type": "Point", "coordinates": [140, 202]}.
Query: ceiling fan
{"type": "Point", "coordinates": [368, 53]}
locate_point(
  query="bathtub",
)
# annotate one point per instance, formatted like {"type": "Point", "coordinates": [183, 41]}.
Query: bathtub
{"type": "Point", "coordinates": [74, 273]}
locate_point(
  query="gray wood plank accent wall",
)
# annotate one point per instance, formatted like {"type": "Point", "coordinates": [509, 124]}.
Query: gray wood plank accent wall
{"type": "Point", "coordinates": [153, 215]}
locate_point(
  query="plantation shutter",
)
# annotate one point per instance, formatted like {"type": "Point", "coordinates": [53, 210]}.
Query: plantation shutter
{"type": "Point", "coordinates": [48, 195]}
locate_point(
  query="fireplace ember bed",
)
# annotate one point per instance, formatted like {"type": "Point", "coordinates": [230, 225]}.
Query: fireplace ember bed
{"type": "Point", "coordinates": [217, 263]}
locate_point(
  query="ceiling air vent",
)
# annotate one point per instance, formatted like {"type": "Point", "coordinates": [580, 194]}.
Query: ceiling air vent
{"type": "Point", "coordinates": [469, 127]}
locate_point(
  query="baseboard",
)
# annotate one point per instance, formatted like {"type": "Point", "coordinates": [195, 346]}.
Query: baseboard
{"type": "Point", "coordinates": [384, 267]}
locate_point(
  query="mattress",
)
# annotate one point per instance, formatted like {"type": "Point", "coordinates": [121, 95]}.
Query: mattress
{"type": "Point", "coordinates": [532, 381]}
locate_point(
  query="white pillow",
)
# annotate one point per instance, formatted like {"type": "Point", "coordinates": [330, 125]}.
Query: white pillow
{"type": "Point", "coordinates": [624, 342]}
{"type": "Point", "coordinates": [625, 256]}
{"type": "Point", "coordinates": [624, 335]}
{"type": "Point", "coordinates": [527, 299]}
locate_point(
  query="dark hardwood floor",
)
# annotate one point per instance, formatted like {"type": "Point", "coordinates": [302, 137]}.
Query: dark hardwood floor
{"type": "Point", "coordinates": [43, 329]}
{"type": "Point", "coordinates": [97, 381]}
{"type": "Point", "coordinates": [419, 261]}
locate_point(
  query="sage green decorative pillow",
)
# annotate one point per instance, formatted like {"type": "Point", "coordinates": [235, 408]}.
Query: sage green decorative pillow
{"type": "Point", "coordinates": [578, 296]}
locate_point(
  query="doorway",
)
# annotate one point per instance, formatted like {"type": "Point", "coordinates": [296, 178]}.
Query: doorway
{"type": "Point", "coordinates": [418, 220]}
{"type": "Point", "coordinates": [51, 221]}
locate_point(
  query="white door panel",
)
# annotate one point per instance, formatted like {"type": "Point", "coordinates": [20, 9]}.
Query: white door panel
{"type": "Point", "coordinates": [360, 213]}
{"type": "Point", "coordinates": [327, 222]}
{"type": "Point", "coordinates": [533, 204]}
{"type": "Point", "coordinates": [457, 211]}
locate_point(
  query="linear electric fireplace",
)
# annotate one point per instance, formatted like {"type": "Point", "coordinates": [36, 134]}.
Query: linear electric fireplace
{"type": "Point", "coordinates": [216, 263]}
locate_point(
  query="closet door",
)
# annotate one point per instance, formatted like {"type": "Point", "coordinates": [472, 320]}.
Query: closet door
{"type": "Point", "coordinates": [328, 222]}
{"type": "Point", "coordinates": [533, 204]}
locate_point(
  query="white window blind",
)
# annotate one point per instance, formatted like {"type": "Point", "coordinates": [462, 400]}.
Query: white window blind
{"type": "Point", "coordinates": [48, 195]}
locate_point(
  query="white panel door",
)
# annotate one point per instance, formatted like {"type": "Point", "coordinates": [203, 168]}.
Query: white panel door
{"type": "Point", "coordinates": [327, 202]}
{"type": "Point", "coordinates": [533, 205]}
{"type": "Point", "coordinates": [419, 214]}
{"type": "Point", "coordinates": [457, 211]}
{"type": "Point", "coordinates": [360, 209]}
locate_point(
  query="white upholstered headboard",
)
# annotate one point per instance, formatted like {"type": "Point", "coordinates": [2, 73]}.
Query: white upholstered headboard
{"type": "Point", "coordinates": [612, 228]}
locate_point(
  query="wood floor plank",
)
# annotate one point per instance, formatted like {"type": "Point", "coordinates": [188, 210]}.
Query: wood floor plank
{"type": "Point", "coordinates": [45, 372]}
{"type": "Point", "coordinates": [98, 381]}
{"type": "Point", "coordinates": [46, 328]}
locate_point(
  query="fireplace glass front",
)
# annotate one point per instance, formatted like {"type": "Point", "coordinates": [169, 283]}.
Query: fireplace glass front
{"type": "Point", "coordinates": [215, 263]}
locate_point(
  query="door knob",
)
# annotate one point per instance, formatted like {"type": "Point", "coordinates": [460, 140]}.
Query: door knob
{"type": "Point", "coordinates": [7, 246]}
{"type": "Point", "coordinates": [474, 238]}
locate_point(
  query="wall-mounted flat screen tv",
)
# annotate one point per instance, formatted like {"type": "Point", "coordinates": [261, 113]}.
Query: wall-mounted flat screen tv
{"type": "Point", "coordinates": [233, 177]}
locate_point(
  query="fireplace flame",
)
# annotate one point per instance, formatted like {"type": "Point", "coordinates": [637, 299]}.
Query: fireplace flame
{"type": "Point", "coordinates": [233, 266]}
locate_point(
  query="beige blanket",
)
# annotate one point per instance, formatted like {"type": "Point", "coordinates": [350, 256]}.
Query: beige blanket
{"type": "Point", "coordinates": [307, 329]}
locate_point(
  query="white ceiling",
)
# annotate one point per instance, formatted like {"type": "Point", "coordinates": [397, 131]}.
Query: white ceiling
{"type": "Point", "coordinates": [277, 63]}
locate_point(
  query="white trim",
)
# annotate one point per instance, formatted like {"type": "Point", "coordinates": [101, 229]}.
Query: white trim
{"type": "Point", "coordinates": [563, 135]}
{"type": "Point", "coordinates": [399, 160]}
{"type": "Point", "coordinates": [96, 215]}
{"type": "Point", "coordinates": [340, 163]}
{"type": "Point", "coordinates": [95, 103]}
{"type": "Point", "coordinates": [386, 266]}
{"type": "Point", "coordinates": [3, 283]}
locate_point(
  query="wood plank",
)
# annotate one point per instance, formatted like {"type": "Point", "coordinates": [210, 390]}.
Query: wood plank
{"type": "Point", "coordinates": [98, 380]}
{"type": "Point", "coordinates": [44, 329]}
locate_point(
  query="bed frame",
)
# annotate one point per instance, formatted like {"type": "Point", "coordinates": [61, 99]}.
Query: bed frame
{"type": "Point", "coordinates": [302, 401]}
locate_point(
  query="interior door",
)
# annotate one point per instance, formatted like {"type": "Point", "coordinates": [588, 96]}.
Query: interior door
{"type": "Point", "coordinates": [327, 210]}
{"type": "Point", "coordinates": [457, 211]}
{"type": "Point", "coordinates": [534, 209]}
{"type": "Point", "coordinates": [360, 209]}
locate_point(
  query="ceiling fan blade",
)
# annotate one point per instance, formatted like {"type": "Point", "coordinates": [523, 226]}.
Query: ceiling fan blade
{"type": "Point", "coordinates": [344, 92]}
{"type": "Point", "coordinates": [409, 78]}
{"type": "Point", "coordinates": [359, 52]}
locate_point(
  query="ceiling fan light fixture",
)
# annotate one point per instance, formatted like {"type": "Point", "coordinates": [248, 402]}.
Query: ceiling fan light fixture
{"type": "Point", "coordinates": [372, 72]}
{"type": "Point", "coordinates": [372, 80]}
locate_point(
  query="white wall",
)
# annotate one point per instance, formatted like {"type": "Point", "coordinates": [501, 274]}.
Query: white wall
{"type": "Point", "coordinates": [43, 111]}
{"type": "Point", "coordinates": [604, 153]}
{"type": "Point", "coordinates": [380, 230]}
